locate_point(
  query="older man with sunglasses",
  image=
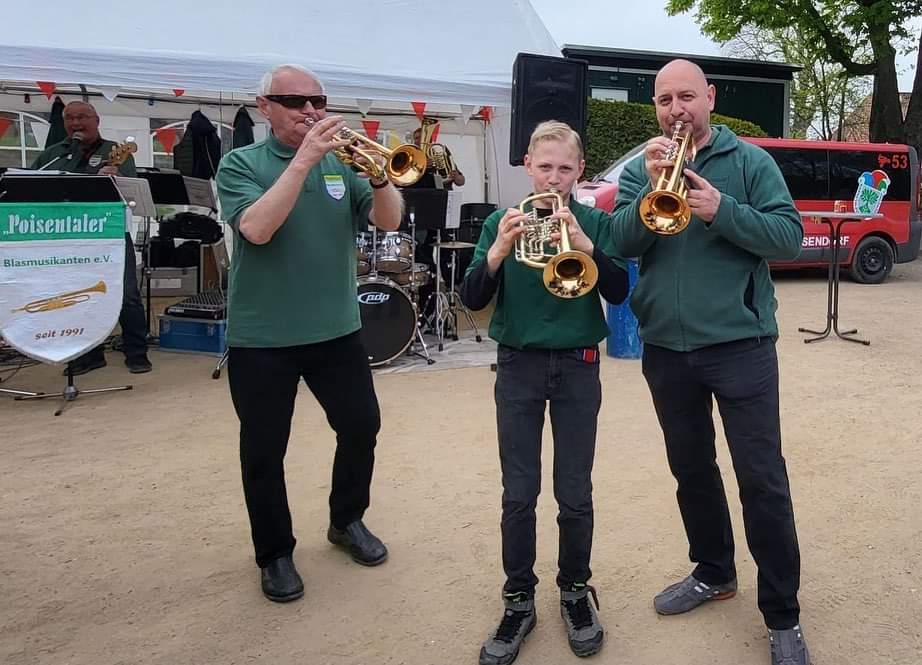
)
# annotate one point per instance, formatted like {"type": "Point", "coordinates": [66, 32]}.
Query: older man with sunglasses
{"type": "Point", "coordinates": [293, 313]}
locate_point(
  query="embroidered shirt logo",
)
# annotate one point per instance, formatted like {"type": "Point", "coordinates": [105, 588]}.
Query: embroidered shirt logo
{"type": "Point", "coordinates": [336, 186]}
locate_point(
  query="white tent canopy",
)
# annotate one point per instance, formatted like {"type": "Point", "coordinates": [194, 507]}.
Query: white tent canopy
{"type": "Point", "coordinates": [398, 50]}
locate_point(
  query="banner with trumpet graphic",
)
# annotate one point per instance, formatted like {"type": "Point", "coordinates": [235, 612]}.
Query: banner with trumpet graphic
{"type": "Point", "coordinates": [61, 273]}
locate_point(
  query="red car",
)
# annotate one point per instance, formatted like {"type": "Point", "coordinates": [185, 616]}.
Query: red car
{"type": "Point", "coordinates": [818, 173]}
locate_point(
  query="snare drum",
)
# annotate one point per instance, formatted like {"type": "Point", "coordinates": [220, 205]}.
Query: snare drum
{"type": "Point", "coordinates": [394, 252]}
{"type": "Point", "coordinates": [388, 319]}
{"type": "Point", "coordinates": [415, 278]}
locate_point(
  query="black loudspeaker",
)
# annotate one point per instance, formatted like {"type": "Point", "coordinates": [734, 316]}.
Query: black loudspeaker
{"type": "Point", "coordinates": [546, 88]}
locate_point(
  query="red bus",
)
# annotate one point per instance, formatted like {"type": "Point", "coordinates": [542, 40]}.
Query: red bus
{"type": "Point", "coordinates": [818, 173]}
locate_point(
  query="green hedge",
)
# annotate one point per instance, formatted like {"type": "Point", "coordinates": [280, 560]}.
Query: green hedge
{"type": "Point", "coordinates": [613, 128]}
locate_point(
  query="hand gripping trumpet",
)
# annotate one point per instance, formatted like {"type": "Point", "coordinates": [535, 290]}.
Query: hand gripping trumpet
{"type": "Point", "coordinates": [404, 166]}
{"type": "Point", "coordinates": [62, 300]}
{"type": "Point", "coordinates": [567, 273]}
{"type": "Point", "coordinates": [665, 210]}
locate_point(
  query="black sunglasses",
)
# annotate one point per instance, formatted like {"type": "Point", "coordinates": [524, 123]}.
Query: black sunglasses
{"type": "Point", "coordinates": [298, 101]}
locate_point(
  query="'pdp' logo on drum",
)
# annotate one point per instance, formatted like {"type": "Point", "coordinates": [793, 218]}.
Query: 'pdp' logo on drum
{"type": "Point", "coordinates": [374, 298]}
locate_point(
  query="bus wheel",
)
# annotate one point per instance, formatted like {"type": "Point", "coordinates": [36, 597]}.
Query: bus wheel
{"type": "Point", "coordinates": [872, 261]}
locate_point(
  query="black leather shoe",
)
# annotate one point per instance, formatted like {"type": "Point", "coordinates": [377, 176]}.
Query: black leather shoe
{"type": "Point", "coordinates": [77, 367]}
{"type": "Point", "coordinates": [138, 364]}
{"type": "Point", "coordinates": [364, 546]}
{"type": "Point", "coordinates": [281, 582]}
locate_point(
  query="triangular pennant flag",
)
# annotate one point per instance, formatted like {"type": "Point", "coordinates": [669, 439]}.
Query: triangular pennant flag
{"type": "Point", "coordinates": [47, 87]}
{"type": "Point", "coordinates": [5, 124]}
{"type": "Point", "coordinates": [39, 131]}
{"type": "Point", "coordinates": [435, 133]}
{"type": "Point", "coordinates": [371, 128]}
{"type": "Point", "coordinates": [485, 113]}
{"type": "Point", "coordinates": [110, 92]}
{"type": "Point", "coordinates": [466, 111]}
{"type": "Point", "coordinates": [167, 138]}
{"type": "Point", "coordinates": [179, 92]}
{"type": "Point", "coordinates": [419, 108]}
{"type": "Point", "coordinates": [364, 106]}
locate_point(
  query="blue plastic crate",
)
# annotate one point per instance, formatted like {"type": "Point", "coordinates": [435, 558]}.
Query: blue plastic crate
{"type": "Point", "coordinates": [192, 335]}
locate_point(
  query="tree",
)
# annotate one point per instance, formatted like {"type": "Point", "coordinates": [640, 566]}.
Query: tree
{"type": "Point", "coordinates": [837, 29]}
{"type": "Point", "coordinates": [822, 94]}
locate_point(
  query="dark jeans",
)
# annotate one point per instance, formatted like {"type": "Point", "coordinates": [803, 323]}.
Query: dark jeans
{"type": "Point", "coordinates": [525, 381]}
{"type": "Point", "coordinates": [263, 385]}
{"type": "Point", "coordinates": [743, 377]}
{"type": "Point", "coordinates": [132, 318]}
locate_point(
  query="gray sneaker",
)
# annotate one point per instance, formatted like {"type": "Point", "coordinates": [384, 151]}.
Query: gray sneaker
{"type": "Point", "coordinates": [788, 647]}
{"type": "Point", "coordinates": [689, 593]}
{"type": "Point", "coordinates": [519, 618]}
{"type": "Point", "coordinates": [584, 630]}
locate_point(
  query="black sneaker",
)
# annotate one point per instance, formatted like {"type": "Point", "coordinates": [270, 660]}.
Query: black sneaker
{"type": "Point", "coordinates": [519, 618]}
{"type": "Point", "coordinates": [584, 630]}
{"type": "Point", "coordinates": [138, 364]}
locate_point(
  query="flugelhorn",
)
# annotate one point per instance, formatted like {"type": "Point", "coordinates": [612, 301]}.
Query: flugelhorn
{"type": "Point", "coordinates": [665, 210]}
{"type": "Point", "coordinates": [567, 273]}
{"type": "Point", "coordinates": [404, 166]}
{"type": "Point", "coordinates": [63, 300]}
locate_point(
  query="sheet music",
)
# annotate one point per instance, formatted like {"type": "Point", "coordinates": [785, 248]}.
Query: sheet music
{"type": "Point", "coordinates": [453, 210]}
{"type": "Point", "coordinates": [137, 190]}
{"type": "Point", "coordinates": [200, 192]}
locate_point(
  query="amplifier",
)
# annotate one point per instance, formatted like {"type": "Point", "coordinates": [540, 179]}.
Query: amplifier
{"type": "Point", "coordinates": [209, 305]}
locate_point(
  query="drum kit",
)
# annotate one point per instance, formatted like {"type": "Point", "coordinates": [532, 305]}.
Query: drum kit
{"type": "Point", "coordinates": [389, 283]}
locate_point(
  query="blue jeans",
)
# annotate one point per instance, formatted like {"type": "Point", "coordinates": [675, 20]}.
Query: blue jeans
{"type": "Point", "coordinates": [743, 377]}
{"type": "Point", "coordinates": [526, 380]}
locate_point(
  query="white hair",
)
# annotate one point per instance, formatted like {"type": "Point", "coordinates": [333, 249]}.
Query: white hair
{"type": "Point", "coordinates": [265, 84]}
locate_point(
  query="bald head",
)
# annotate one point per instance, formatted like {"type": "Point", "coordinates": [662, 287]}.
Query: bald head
{"type": "Point", "coordinates": [682, 94]}
{"type": "Point", "coordinates": [81, 122]}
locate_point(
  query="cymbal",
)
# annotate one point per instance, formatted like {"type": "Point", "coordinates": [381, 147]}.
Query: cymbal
{"type": "Point", "coordinates": [457, 244]}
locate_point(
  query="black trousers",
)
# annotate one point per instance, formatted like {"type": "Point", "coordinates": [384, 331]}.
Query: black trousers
{"type": "Point", "coordinates": [743, 377]}
{"type": "Point", "coordinates": [526, 380]}
{"type": "Point", "coordinates": [263, 385]}
{"type": "Point", "coordinates": [131, 318]}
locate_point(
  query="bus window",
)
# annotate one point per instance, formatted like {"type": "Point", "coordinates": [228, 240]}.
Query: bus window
{"type": "Point", "coordinates": [805, 171]}
{"type": "Point", "coordinates": [848, 165]}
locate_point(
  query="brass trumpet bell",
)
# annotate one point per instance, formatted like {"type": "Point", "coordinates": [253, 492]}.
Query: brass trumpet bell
{"type": "Point", "coordinates": [404, 164]}
{"type": "Point", "coordinates": [665, 210]}
{"type": "Point", "coordinates": [566, 273]}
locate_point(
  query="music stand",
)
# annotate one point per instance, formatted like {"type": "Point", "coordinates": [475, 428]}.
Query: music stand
{"type": "Point", "coordinates": [59, 188]}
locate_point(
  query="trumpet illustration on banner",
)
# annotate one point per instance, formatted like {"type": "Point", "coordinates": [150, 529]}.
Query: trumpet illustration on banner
{"type": "Point", "coordinates": [62, 300]}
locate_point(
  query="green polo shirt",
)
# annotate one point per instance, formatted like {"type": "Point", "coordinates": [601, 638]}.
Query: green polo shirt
{"type": "Point", "coordinates": [80, 159]}
{"type": "Point", "coordinates": [527, 315]}
{"type": "Point", "coordinates": [300, 287]}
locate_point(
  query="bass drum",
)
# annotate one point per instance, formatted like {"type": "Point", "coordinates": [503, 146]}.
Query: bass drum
{"type": "Point", "coordinates": [388, 319]}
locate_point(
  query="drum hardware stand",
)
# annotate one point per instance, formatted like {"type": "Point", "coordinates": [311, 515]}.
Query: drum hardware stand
{"type": "Point", "coordinates": [147, 271]}
{"type": "Point", "coordinates": [415, 291]}
{"type": "Point", "coordinates": [455, 303]}
{"type": "Point", "coordinates": [70, 392]}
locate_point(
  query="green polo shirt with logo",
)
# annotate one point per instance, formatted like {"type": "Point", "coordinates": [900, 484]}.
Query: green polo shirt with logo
{"type": "Point", "coordinates": [527, 315]}
{"type": "Point", "coordinates": [81, 159]}
{"type": "Point", "coordinates": [300, 287]}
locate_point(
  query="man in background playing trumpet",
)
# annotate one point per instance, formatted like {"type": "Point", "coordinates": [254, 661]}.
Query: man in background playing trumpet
{"type": "Point", "coordinates": [85, 151]}
{"type": "Point", "coordinates": [293, 313]}
{"type": "Point", "coordinates": [548, 353]}
{"type": "Point", "coordinates": [706, 307]}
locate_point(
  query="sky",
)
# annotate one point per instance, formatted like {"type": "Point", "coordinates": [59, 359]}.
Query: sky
{"type": "Point", "coordinates": [644, 25]}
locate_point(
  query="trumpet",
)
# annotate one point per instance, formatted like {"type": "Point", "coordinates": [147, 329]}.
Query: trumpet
{"type": "Point", "coordinates": [665, 210]}
{"type": "Point", "coordinates": [566, 272]}
{"type": "Point", "coordinates": [63, 300]}
{"type": "Point", "coordinates": [404, 166]}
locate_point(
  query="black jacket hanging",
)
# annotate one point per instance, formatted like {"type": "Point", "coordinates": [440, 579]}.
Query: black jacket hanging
{"type": "Point", "coordinates": [243, 128]}
{"type": "Point", "coordinates": [199, 151]}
